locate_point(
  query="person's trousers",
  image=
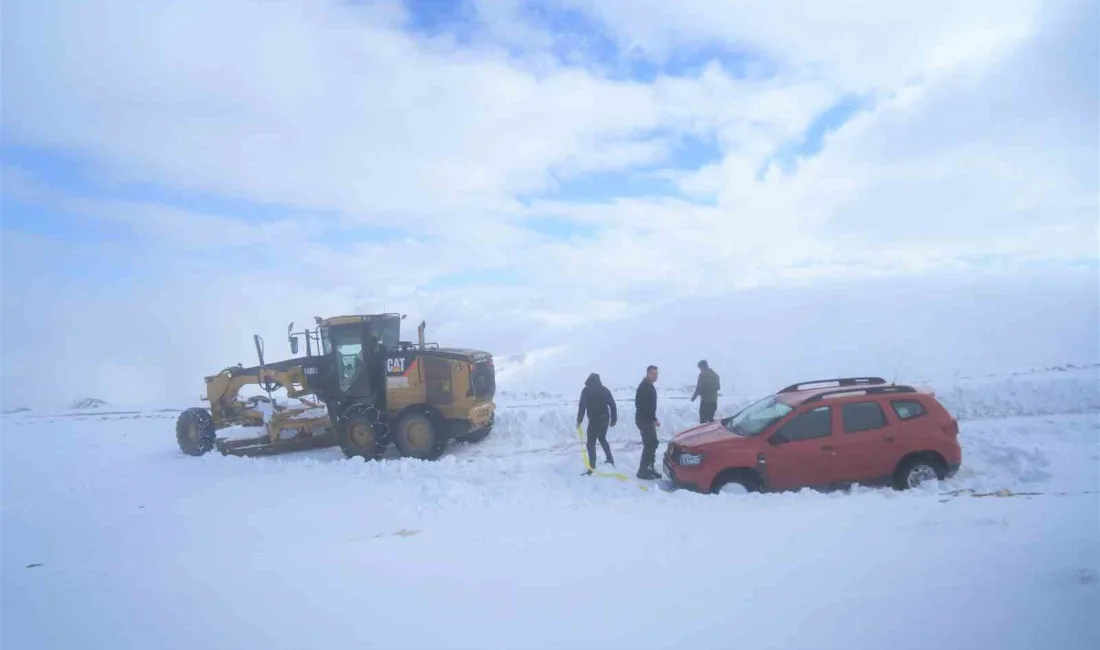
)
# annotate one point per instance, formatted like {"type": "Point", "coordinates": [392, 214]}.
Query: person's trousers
{"type": "Point", "coordinates": [707, 411]}
{"type": "Point", "coordinates": [649, 442]}
{"type": "Point", "coordinates": [597, 430]}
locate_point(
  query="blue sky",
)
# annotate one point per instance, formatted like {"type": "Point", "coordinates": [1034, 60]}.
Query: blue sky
{"type": "Point", "coordinates": [512, 169]}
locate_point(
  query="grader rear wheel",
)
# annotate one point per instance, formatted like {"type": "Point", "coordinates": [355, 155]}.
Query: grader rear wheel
{"type": "Point", "coordinates": [418, 437]}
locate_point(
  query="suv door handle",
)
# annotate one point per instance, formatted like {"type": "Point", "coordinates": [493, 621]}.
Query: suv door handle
{"type": "Point", "coordinates": [826, 447]}
{"type": "Point", "coordinates": [888, 439]}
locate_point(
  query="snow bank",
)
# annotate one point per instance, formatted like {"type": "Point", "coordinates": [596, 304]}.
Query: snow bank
{"type": "Point", "coordinates": [759, 340]}
{"type": "Point", "coordinates": [1038, 393]}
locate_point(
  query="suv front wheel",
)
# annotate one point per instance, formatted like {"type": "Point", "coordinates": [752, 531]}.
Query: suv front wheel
{"type": "Point", "coordinates": [735, 482]}
{"type": "Point", "coordinates": [917, 470]}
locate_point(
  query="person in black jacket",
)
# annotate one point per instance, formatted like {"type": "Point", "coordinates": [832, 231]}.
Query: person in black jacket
{"type": "Point", "coordinates": [597, 401]}
{"type": "Point", "coordinates": [707, 388]}
{"type": "Point", "coordinates": [645, 416]}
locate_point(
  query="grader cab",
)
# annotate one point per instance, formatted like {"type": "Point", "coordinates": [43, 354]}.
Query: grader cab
{"type": "Point", "coordinates": [358, 386]}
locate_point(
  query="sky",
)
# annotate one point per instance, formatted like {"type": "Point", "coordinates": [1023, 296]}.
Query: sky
{"type": "Point", "coordinates": [178, 176]}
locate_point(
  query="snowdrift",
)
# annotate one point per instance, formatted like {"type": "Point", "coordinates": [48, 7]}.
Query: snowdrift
{"type": "Point", "coordinates": [758, 340]}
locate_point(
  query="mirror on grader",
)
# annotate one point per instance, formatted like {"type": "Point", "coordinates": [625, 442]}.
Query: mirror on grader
{"type": "Point", "coordinates": [358, 386]}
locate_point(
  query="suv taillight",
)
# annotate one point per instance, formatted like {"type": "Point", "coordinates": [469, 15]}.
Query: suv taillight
{"type": "Point", "coordinates": [952, 429]}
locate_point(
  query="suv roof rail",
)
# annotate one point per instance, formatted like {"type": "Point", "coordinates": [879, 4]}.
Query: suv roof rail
{"type": "Point", "coordinates": [869, 390]}
{"type": "Point", "coordinates": [841, 381]}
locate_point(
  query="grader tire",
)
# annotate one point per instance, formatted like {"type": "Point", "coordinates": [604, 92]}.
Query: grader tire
{"type": "Point", "coordinates": [417, 436]}
{"type": "Point", "coordinates": [359, 437]}
{"type": "Point", "coordinates": [195, 432]}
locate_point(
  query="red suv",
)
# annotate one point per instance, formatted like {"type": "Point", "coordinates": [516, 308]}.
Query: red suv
{"type": "Point", "coordinates": [821, 434]}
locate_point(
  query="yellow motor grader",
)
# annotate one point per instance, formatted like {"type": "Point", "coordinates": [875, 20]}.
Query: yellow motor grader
{"type": "Point", "coordinates": [358, 386]}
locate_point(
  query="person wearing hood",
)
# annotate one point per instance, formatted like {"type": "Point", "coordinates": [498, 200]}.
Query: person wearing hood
{"type": "Point", "coordinates": [597, 402]}
{"type": "Point", "coordinates": [707, 389]}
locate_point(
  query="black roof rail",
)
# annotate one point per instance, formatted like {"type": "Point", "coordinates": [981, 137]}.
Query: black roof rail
{"type": "Point", "coordinates": [841, 381]}
{"type": "Point", "coordinates": [869, 390]}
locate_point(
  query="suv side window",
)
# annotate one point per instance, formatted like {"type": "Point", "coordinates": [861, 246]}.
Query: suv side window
{"type": "Point", "coordinates": [817, 423]}
{"type": "Point", "coordinates": [862, 416]}
{"type": "Point", "coordinates": [908, 409]}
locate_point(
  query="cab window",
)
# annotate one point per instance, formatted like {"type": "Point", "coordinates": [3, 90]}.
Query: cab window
{"type": "Point", "coordinates": [349, 357]}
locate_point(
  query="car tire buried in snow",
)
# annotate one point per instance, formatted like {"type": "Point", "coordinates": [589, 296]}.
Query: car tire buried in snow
{"type": "Point", "coordinates": [914, 471]}
{"type": "Point", "coordinates": [195, 432]}
{"type": "Point", "coordinates": [358, 436]}
{"type": "Point", "coordinates": [417, 436]}
{"type": "Point", "coordinates": [735, 482]}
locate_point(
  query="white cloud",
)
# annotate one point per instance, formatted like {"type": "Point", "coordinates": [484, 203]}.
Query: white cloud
{"type": "Point", "coordinates": [994, 158]}
{"type": "Point", "coordinates": [310, 109]}
{"type": "Point", "coordinates": [979, 143]}
{"type": "Point", "coordinates": [313, 110]}
{"type": "Point", "coordinates": [859, 45]}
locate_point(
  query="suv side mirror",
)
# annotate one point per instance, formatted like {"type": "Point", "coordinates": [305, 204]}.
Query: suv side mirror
{"type": "Point", "coordinates": [778, 439]}
{"type": "Point", "coordinates": [294, 345]}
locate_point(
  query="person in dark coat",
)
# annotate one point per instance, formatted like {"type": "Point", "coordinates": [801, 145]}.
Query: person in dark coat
{"type": "Point", "coordinates": [645, 417]}
{"type": "Point", "coordinates": [707, 388]}
{"type": "Point", "coordinates": [598, 402]}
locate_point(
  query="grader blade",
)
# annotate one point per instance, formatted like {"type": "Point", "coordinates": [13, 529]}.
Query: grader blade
{"type": "Point", "coordinates": [262, 445]}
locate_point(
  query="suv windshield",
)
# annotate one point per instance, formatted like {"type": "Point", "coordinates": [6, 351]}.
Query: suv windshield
{"type": "Point", "coordinates": [757, 417]}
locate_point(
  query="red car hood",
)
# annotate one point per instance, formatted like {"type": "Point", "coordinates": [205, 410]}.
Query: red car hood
{"type": "Point", "coordinates": [702, 434]}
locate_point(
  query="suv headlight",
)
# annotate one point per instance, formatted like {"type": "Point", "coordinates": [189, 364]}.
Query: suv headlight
{"type": "Point", "coordinates": [690, 459]}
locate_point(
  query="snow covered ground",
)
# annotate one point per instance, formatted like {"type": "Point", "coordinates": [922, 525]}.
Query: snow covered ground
{"type": "Point", "coordinates": [114, 539]}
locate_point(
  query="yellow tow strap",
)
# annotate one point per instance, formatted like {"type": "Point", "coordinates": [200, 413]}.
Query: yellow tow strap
{"type": "Point", "coordinates": [594, 471]}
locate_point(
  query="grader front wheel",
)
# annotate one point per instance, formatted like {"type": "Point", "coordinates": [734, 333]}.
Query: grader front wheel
{"type": "Point", "coordinates": [195, 432]}
{"type": "Point", "coordinates": [418, 437]}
